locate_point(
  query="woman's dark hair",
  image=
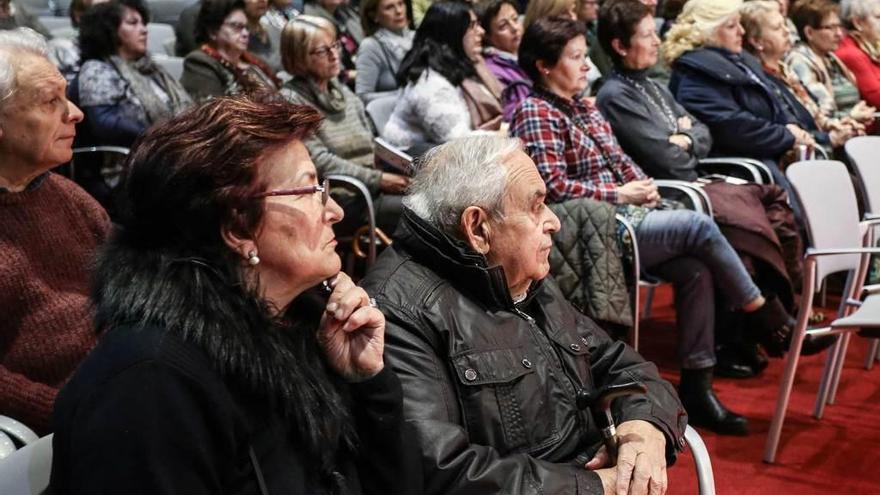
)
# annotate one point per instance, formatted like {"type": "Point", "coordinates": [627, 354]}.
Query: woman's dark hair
{"type": "Point", "coordinates": [99, 25]}
{"type": "Point", "coordinates": [486, 11]}
{"type": "Point", "coordinates": [545, 39]}
{"type": "Point", "coordinates": [211, 16]}
{"type": "Point", "coordinates": [438, 44]}
{"type": "Point", "coordinates": [810, 13]}
{"type": "Point", "coordinates": [618, 20]}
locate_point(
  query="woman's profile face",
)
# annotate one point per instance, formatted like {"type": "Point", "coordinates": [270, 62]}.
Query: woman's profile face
{"type": "Point", "coordinates": [132, 35]}
{"type": "Point", "coordinates": [233, 33]}
{"type": "Point", "coordinates": [729, 34]}
{"type": "Point", "coordinates": [391, 14]}
{"type": "Point", "coordinates": [295, 240]}
{"type": "Point", "coordinates": [825, 37]}
{"type": "Point", "coordinates": [505, 29]}
{"type": "Point", "coordinates": [775, 41]}
{"type": "Point", "coordinates": [473, 38]}
{"type": "Point", "coordinates": [643, 45]}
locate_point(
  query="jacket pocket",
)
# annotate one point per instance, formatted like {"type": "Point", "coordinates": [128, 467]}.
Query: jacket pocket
{"type": "Point", "coordinates": [503, 400]}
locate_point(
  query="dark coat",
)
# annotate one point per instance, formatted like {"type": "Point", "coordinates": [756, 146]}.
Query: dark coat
{"type": "Point", "coordinates": [191, 377]}
{"type": "Point", "coordinates": [744, 116]}
{"type": "Point", "coordinates": [491, 385]}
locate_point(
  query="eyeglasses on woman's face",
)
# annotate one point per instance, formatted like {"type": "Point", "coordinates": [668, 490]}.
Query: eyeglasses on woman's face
{"type": "Point", "coordinates": [323, 188]}
{"type": "Point", "coordinates": [325, 51]}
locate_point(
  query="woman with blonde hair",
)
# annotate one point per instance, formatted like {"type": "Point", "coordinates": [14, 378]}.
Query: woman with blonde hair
{"type": "Point", "coordinates": [726, 89]}
{"type": "Point", "coordinates": [538, 9]}
{"type": "Point", "coordinates": [344, 142]}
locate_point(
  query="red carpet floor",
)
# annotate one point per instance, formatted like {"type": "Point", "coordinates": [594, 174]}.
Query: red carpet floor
{"type": "Point", "coordinates": [838, 454]}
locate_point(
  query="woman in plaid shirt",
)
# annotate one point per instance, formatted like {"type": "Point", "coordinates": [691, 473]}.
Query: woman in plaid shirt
{"type": "Point", "coordinates": [578, 157]}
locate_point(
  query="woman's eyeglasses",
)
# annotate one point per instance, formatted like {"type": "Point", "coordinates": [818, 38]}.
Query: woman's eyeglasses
{"type": "Point", "coordinates": [326, 50]}
{"type": "Point", "coordinates": [323, 188]}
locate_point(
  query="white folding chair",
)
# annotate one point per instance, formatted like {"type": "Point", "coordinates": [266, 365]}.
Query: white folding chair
{"type": "Point", "coordinates": [27, 470]}
{"type": "Point", "coordinates": [836, 245]}
{"type": "Point", "coordinates": [379, 111]}
{"type": "Point", "coordinates": [158, 38]}
{"type": "Point", "coordinates": [174, 65]}
{"type": "Point", "coordinates": [705, 476]}
{"type": "Point", "coordinates": [55, 23]}
{"type": "Point", "coordinates": [744, 168]}
{"type": "Point", "coordinates": [864, 154]}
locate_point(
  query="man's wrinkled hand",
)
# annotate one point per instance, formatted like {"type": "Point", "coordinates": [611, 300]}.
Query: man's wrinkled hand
{"type": "Point", "coordinates": [641, 459]}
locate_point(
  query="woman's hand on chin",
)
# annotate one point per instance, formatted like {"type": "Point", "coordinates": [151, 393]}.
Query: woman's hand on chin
{"type": "Point", "coordinates": [352, 332]}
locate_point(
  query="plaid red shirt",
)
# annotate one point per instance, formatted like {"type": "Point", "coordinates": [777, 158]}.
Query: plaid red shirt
{"type": "Point", "coordinates": [574, 148]}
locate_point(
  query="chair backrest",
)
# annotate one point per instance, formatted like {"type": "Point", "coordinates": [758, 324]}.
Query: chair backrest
{"type": "Point", "coordinates": [864, 153]}
{"type": "Point", "coordinates": [158, 36]}
{"type": "Point", "coordinates": [54, 23]}
{"type": "Point", "coordinates": [26, 471]}
{"type": "Point", "coordinates": [167, 11]}
{"type": "Point", "coordinates": [174, 65]}
{"type": "Point", "coordinates": [829, 201]}
{"type": "Point", "coordinates": [380, 109]}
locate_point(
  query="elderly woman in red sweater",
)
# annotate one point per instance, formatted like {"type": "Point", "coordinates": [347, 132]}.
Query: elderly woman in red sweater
{"type": "Point", "coordinates": [51, 229]}
{"type": "Point", "coordinates": [860, 48]}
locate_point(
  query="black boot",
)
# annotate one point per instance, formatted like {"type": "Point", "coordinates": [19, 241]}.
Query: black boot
{"type": "Point", "coordinates": [771, 326]}
{"type": "Point", "coordinates": [703, 407]}
{"type": "Point", "coordinates": [739, 360]}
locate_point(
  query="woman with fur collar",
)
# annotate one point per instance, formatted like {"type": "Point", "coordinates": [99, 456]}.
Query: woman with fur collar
{"type": "Point", "coordinates": [224, 364]}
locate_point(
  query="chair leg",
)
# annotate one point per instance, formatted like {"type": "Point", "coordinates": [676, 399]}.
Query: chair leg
{"type": "Point", "coordinates": [637, 316]}
{"type": "Point", "coordinates": [703, 462]}
{"type": "Point", "coordinates": [872, 354]}
{"type": "Point", "coordinates": [835, 378]}
{"type": "Point", "coordinates": [825, 383]}
{"type": "Point", "coordinates": [649, 301]}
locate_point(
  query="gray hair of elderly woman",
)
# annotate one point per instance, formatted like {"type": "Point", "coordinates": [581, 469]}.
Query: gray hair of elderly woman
{"type": "Point", "coordinates": [461, 173]}
{"type": "Point", "coordinates": [856, 9]}
{"type": "Point", "coordinates": [14, 43]}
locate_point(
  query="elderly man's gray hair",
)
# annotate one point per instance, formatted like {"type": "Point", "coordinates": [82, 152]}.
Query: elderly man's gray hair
{"type": "Point", "coordinates": [856, 9]}
{"type": "Point", "coordinates": [461, 173]}
{"type": "Point", "coordinates": [14, 43]}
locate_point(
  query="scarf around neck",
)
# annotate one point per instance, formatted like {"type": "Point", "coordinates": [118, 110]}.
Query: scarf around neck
{"type": "Point", "coordinates": [872, 50]}
{"type": "Point", "coordinates": [330, 101]}
{"type": "Point", "coordinates": [140, 75]}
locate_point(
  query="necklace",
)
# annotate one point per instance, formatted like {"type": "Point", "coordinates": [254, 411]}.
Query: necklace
{"type": "Point", "coordinates": [655, 99]}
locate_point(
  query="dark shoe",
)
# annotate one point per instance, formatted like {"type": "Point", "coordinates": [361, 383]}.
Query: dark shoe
{"type": "Point", "coordinates": [771, 326]}
{"type": "Point", "coordinates": [703, 407]}
{"type": "Point", "coordinates": [730, 364]}
{"type": "Point", "coordinates": [815, 345]}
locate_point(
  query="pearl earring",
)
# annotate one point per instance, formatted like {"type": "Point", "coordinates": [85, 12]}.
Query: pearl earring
{"type": "Point", "coordinates": [253, 259]}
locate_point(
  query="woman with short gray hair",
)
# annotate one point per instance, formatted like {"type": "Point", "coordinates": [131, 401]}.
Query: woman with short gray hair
{"type": "Point", "coordinates": [860, 48]}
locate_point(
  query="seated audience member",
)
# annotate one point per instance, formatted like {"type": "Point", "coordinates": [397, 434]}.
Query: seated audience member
{"type": "Point", "coordinates": [539, 9]}
{"type": "Point", "coordinates": [344, 142]}
{"type": "Point", "coordinates": [726, 89]}
{"type": "Point", "coordinates": [119, 87]}
{"type": "Point", "coordinates": [50, 231]}
{"type": "Point", "coordinates": [492, 358]}
{"type": "Point", "coordinates": [219, 368]}
{"type": "Point", "coordinates": [280, 11]}
{"type": "Point", "coordinates": [348, 31]}
{"type": "Point", "coordinates": [655, 130]}
{"type": "Point", "coordinates": [578, 157]}
{"type": "Point", "coordinates": [500, 21]}
{"type": "Point", "coordinates": [766, 37]}
{"type": "Point", "coordinates": [860, 48]}
{"type": "Point", "coordinates": [388, 39]}
{"type": "Point", "coordinates": [445, 97]}
{"type": "Point", "coordinates": [223, 65]}
{"type": "Point", "coordinates": [827, 80]}
{"type": "Point", "coordinates": [64, 50]}
{"type": "Point", "coordinates": [262, 42]}
{"type": "Point", "coordinates": [14, 15]}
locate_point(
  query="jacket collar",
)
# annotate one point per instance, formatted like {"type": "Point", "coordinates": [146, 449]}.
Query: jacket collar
{"type": "Point", "coordinates": [721, 64]}
{"type": "Point", "coordinates": [456, 262]}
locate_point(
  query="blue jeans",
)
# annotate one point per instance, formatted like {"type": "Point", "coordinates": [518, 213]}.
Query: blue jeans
{"type": "Point", "coordinates": [687, 248]}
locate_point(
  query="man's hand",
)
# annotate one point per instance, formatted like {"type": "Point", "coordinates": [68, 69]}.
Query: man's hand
{"type": "Point", "coordinates": [393, 183]}
{"type": "Point", "coordinates": [683, 141]}
{"type": "Point", "coordinates": [684, 123]}
{"type": "Point", "coordinates": [641, 460]}
{"type": "Point", "coordinates": [638, 192]}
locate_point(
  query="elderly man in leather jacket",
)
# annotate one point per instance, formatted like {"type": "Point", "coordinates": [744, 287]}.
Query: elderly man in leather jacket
{"type": "Point", "coordinates": [490, 354]}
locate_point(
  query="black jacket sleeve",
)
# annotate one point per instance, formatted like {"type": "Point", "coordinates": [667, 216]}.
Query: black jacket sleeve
{"type": "Point", "coordinates": [389, 453]}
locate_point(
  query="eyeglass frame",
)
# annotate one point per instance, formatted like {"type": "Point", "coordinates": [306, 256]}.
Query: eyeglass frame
{"type": "Point", "coordinates": [323, 188]}
{"type": "Point", "coordinates": [235, 26]}
{"type": "Point", "coordinates": [324, 52]}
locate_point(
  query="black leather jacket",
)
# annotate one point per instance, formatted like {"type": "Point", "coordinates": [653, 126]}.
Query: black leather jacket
{"type": "Point", "coordinates": [490, 386]}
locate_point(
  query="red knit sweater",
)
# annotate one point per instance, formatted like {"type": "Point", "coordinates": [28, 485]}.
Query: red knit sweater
{"type": "Point", "coordinates": [48, 238]}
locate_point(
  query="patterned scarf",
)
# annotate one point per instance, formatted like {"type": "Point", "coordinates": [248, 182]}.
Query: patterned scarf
{"type": "Point", "coordinates": [142, 76]}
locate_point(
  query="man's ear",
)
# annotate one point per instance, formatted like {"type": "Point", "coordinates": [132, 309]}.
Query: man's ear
{"type": "Point", "coordinates": [242, 246]}
{"type": "Point", "coordinates": [476, 229]}
{"type": "Point", "coordinates": [618, 47]}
